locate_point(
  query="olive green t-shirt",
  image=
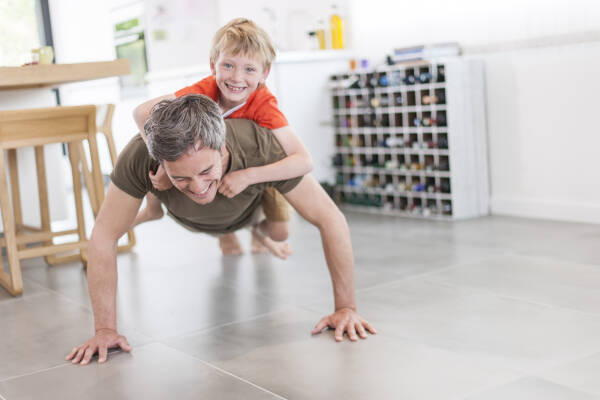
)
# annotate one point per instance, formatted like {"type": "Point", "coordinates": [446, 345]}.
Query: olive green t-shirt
{"type": "Point", "coordinates": [249, 145]}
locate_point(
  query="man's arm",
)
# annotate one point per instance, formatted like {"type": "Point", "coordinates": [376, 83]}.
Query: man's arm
{"type": "Point", "coordinates": [314, 205]}
{"type": "Point", "coordinates": [114, 219]}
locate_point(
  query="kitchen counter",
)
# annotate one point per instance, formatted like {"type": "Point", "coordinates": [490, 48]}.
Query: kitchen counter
{"type": "Point", "coordinates": [38, 76]}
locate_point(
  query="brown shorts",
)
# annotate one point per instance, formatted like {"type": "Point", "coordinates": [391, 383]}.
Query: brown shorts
{"type": "Point", "coordinates": [275, 206]}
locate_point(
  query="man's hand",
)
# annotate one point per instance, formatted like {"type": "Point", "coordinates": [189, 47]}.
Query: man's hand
{"type": "Point", "coordinates": [104, 339]}
{"type": "Point", "coordinates": [234, 183]}
{"type": "Point", "coordinates": [160, 180]}
{"type": "Point", "coordinates": [345, 320]}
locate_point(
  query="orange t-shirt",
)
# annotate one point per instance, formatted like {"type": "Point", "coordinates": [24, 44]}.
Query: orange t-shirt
{"type": "Point", "coordinates": [261, 106]}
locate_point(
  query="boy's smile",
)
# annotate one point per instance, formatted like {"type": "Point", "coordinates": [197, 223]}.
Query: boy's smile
{"type": "Point", "coordinates": [237, 77]}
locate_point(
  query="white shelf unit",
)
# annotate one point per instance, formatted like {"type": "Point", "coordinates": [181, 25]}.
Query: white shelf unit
{"type": "Point", "coordinates": [411, 139]}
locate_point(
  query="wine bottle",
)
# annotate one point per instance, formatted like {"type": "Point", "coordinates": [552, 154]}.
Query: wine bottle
{"type": "Point", "coordinates": [429, 99]}
{"type": "Point", "coordinates": [409, 80]}
{"type": "Point", "coordinates": [425, 77]}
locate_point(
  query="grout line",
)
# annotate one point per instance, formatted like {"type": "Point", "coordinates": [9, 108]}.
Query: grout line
{"type": "Point", "coordinates": [89, 309]}
{"type": "Point", "coordinates": [215, 327]}
{"type": "Point", "coordinates": [422, 274]}
{"type": "Point", "coordinates": [486, 291]}
{"type": "Point", "coordinates": [540, 371]}
{"type": "Point", "coordinates": [227, 372]}
{"type": "Point", "coordinates": [241, 379]}
{"type": "Point", "coordinates": [35, 372]}
{"type": "Point", "coordinates": [63, 296]}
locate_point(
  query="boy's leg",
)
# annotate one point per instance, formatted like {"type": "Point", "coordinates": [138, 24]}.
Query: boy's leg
{"type": "Point", "coordinates": [270, 234]}
{"type": "Point", "coordinates": [152, 211]}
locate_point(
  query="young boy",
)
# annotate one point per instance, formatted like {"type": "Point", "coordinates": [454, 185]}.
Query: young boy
{"type": "Point", "coordinates": [240, 61]}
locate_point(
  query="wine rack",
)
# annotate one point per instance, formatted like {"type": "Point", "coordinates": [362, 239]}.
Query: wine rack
{"type": "Point", "coordinates": [410, 139]}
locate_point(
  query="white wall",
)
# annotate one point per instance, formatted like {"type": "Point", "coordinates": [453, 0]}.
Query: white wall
{"type": "Point", "coordinates": [83, 32]}
{"type": "Point", "coordinates": [541, 60]}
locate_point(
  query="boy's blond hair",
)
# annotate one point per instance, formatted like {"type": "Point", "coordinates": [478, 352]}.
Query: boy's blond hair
{"type": "Point", "coordinates": [242, 36]}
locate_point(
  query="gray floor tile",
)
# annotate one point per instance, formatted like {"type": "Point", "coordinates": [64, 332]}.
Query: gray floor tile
{"type": "Point", "coordinates": [276, 352]}
{"type": "Point", "coordinates": [581, 374]}
{"type": "Point", "coordinates": [543, 280]}
{"type": "Point", "coordinates": [39, 330]}
{"type": "Point", "coordinates": [462, 307]}
{"type": "Point", "coordinates": [514, 333]}
{"type": "Point", "coordinates": [153, 371]}
{"type": "Point", "coordinates": [533, 389]}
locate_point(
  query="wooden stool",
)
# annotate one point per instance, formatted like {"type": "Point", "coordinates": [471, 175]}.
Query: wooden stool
{"type": "Point", "coordinates": [36, 128]}
{"type": "Point", "coordinates": [104, 116]}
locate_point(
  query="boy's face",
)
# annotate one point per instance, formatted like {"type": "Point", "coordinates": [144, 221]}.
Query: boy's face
{"type": "Point", "coordinates": [237, 77]}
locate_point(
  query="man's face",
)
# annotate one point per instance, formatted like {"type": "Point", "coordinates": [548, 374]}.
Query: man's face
{"type": "Point", "coordinates": [197, 173]}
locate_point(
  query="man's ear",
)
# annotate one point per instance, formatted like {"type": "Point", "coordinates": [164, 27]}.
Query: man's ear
{"type": "Point", "coordinates": [212, 67]}
{"type": "Point", "coordinates": [223, 148]}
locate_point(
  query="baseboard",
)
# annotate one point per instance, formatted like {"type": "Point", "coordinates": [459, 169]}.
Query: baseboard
{"type": "Point", "coordinates": [545, 209]}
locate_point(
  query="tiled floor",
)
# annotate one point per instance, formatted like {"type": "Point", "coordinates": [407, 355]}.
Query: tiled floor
{"type": "Point", "coordinates": [490, 308]}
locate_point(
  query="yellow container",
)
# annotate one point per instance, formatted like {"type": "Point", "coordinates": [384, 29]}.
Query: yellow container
{"type": "Point", "coordinates": [321, 39]}
{"type": "Point", "coordinates": [46, 54]}
{"type": "Point", "coordinates": [337, 31]}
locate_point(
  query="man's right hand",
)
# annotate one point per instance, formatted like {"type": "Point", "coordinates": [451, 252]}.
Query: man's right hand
{"type": "Point", "coordinates": [104, 339]}
{"type": "Point", "coordinates": [160, 180]}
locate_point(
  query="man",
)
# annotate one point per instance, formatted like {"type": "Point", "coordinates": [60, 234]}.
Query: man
{"type": "Point", "coordinates": [190, 139]}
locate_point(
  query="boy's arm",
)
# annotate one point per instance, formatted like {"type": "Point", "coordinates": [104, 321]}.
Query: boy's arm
{"type": "Point", "coordinates": [297, 163]}
{"type": "Point", "coordinates": [142, 112]}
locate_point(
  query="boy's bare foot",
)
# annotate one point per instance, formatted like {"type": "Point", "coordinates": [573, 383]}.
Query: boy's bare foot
{"type": "Point", "coordinates": [148, 214]}
{"type": "Point", "coordinates": [257, 246]}
{"type": "Point", "coordinates": [278, 249]}
{"type": "Point", "coordinates": [230, 245]}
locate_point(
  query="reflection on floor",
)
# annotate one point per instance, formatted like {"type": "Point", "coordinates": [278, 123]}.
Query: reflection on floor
{"type": "Point", "coordinates": [491, 308]}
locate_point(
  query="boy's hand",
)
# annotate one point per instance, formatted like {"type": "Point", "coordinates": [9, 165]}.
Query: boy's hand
{"type": "Point", "coordinates": [160, 180]}
{"type": "Point", "coordinates": [234, 183]}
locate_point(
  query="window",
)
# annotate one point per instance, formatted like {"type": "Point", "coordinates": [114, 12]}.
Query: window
{"type": "Point", "coordinates": [22, 29]}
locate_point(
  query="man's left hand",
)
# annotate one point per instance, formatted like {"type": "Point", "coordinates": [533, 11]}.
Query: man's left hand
{"type": "Point", "coordinates": [345, 320]}
{"type": "Point", "coordinates": [234, 183]}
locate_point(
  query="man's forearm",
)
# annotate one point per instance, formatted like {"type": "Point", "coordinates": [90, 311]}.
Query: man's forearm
{"type": "Point", "coordinates": [102, 282]}
{"type": "Point", "coordinates": [340, 260]}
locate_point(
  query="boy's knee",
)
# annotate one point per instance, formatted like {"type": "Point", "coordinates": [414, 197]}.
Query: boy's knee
{"type": "Point", "coordinates": [277, 231]}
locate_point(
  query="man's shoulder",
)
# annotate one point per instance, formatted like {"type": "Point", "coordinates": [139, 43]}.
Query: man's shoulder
{"type": "Point", "coordinates": [253, 143]}
{"type": "Point", "coordinates": [244, 129]}
{"type": "Point", "coordinates": [136, 148]}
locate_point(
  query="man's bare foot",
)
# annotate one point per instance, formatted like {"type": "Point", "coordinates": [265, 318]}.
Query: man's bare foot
{"type": "Point", "coordinates": [230, 245]}
{"type": "Point", "coordinates": [278, 249]}
{"type": "Point", "coordinates": [148, 214]}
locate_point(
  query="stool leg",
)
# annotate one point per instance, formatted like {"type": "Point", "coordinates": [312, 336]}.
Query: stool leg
{"type": "Point", "coordinates": [89, 181]}
{"type": "Point", "coordinates": [16, 193]}
{"type": "Point", "coordinates": [40, 165]}
{"type": "Point", "coordinates": [96, 170]}
{"type": "Point", "coordinates": [74, 157]}
{"type": "Point", "coordinates": [14, 282]}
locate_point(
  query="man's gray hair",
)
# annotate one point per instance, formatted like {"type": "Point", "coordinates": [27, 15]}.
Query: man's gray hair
{"type": "Point", "coordinates": [177, 126]}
